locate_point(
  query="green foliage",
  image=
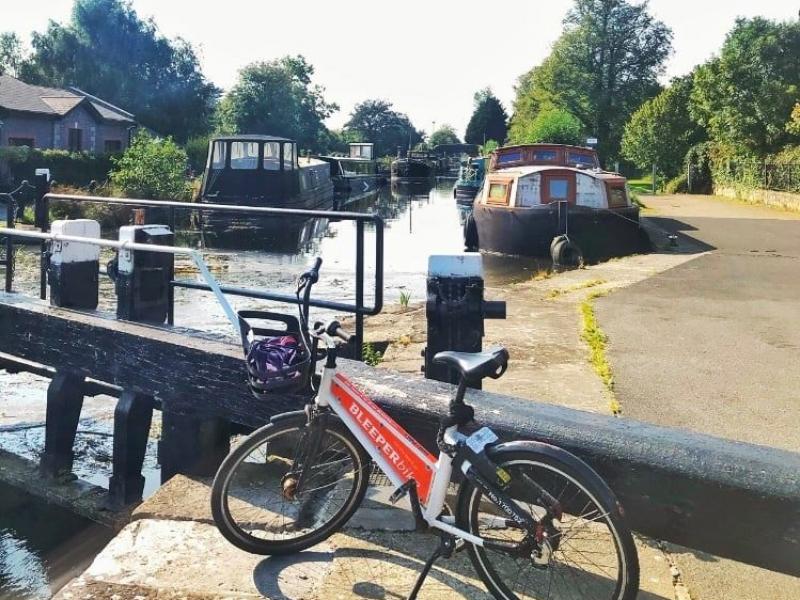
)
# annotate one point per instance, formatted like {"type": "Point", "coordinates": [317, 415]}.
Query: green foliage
{"type": "Point", "coordinates": [677, 185]}
{"type": "Point", "coordinates": [152, 169]}
{"type": "Point", "coordinates": [107, 50]}
{"type": "Point", "coordinates": [489, 147]}
{"type": "Point", "coordinates": [11, 53]}
{"type": "Point", "coordinates": [489, 120]}
{"type": "Point", "coordinates": [698, 163]}
{"type": "Point", "coordinates": [444, 135]}
{"type": "Point", "coordinates": [554, 125]}
{"type": "Point", "coordinates": [745, 96]}
{"type": "Point", "coordinates": [371, 356]}
{"type": "Point", "coordinates": [793, 126]}
{"type": "Point", "coordinates": [197, 152]}
{"type": "Point", "coordinates": [374, 121]}
{"type": "Point", "coordinates": [405, 298]}
{"type": "Point", "coordinates": [277, 98]}
{"type": "Point", "coordinates": [76, 169]}
{"type": "Point", "coordinates": [604, 65]}
{"type": "Point", "coordinates": [661, 132]}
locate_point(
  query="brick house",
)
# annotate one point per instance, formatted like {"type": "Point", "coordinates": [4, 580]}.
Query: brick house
{"type": "Point", "coordinates": [64, 119]}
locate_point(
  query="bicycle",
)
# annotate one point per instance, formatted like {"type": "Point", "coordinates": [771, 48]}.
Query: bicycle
{"type": "Point", "coordinates": [530, 515]}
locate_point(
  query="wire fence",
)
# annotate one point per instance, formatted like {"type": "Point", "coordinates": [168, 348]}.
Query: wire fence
{"type": "Point", "coordinates": [758, 174]}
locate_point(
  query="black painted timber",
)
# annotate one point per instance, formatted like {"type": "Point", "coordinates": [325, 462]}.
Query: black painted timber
{"type": "Point", "coordinates": [732, 499]}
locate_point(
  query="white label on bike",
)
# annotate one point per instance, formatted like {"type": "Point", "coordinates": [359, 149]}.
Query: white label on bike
{"type": "Point", "coordinates": [480, 439]}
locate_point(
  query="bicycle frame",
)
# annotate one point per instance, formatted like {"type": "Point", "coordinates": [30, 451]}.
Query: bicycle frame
{"type": "Point", "coordinates": [398, 455]}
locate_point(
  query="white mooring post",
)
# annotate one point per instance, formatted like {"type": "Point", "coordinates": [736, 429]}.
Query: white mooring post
{"type": "Point", "coordinates": [74, 267]}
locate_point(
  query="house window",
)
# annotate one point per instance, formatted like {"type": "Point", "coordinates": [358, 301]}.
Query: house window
{"type": "Point", "coordinates": [19, 141]}
{"type": "Point", "coordinates": [75, 140]}
{"type": "Point", "coordinates": [113, 146]}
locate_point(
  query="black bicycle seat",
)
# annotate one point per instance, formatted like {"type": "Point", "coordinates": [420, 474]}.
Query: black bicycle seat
{"type": "Point", "coordinates": [476, 365]}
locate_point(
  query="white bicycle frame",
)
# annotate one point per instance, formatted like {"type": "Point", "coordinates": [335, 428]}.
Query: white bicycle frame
{"type": "Point", "coordinates": [397, 454]}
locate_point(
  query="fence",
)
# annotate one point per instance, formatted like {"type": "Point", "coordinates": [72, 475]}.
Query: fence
{"type": "Point", "coordinates": [758, 174]}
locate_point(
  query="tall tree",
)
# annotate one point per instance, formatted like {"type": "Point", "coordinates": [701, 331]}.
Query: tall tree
{"type": "Point", "coordinates": [661, 132]}
{"type": "Point", "coordinates": [444, 135]}
{"type": "Point", "coordinates": [745, 96]}
{"type": "Point", "coordinates": [489, 120]}
{"type": "Point", "coordinates": [375, 121]}
{"type": "Point", "coordinates": [278, 98]}
{"type": "Point", "coordinates": [554, 126]}
{"type": "Point", "coordinates": [604, 65]}
{"type": "Point", "coordinates": [108, 51]}
{"type": "Point", "coordinates": [11, 54]}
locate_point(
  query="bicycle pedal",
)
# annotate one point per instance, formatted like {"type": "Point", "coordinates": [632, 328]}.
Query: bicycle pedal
{"type": "Point", "coordinates": [401, 492]}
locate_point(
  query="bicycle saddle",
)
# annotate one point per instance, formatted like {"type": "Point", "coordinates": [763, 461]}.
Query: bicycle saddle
{"type": "Point", "coordinates": [476, 365]}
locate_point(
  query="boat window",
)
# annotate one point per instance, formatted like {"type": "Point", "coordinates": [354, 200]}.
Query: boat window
{"type": "Point", "coordinates": [288, 156]}
{"type": "Point", "coordinates": [498, 193]}
{"type": "Point", "coordinates": [219, 154]}
{"type": "Point", "coordinates": [581, 160]}
{"type": "Point", "coordinates": [559, 189]}
{"type": "Point", "coordinates": [272, 156]}
{"type": "Point", "coordinates": [508, 157]}
{"type": "Point", "coordinates": [617, 197]}
{"type": "Point", "coordinates": [244, 155]}
{"type": "Point", "coordinates": [545, 155]}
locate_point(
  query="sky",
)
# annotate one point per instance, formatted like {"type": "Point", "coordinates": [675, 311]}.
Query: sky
{"type": "Point", "coordinates": [426, 57]}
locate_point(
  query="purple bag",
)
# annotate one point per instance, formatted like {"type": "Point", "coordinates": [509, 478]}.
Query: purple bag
{"type": "Point", "coordinates": [276, 361]}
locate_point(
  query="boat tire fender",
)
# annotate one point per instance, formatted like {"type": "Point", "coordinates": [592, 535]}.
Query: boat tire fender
{"type": "Point", "coordinates": [565, 252]}
{"type": "Point", "coordinates": [470, 234]}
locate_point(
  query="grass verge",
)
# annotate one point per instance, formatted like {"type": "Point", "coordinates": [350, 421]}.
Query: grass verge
{"type": "Point", "coordinates": [555, 293]}
{"type": "Point", "coordinates": [597, 342]}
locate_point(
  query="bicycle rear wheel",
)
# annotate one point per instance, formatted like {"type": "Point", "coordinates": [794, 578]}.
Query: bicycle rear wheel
{"type": "Point", "coordinates": [282, 490]}
{"type": "Point", "coordinates": [589, 553]}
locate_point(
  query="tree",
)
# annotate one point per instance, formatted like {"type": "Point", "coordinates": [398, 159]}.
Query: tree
{"type": "Point", "coordinates": [662, 131]}
{"type": "Point", "coordinates": [151, 168]}
{"type": "Point", "coordinates": [745, 96]}
{"type": "Point", "coordinates": [489, 120]}
{"type": "Point", "coordinates": [489, 147]}
{"type": "Point", "coordinates": [554, 125]}
{"type": "Point", "coordinates": [603, 67]}
{"type": "Point", "coordinates": [11, 54]}
{"type": "Point", "coordinates": [278, 98]}
{"type": "Point", "coordinates": [793, 126]}
{"type": "Point", "coordinates": [444, 135]}
{"type": "Point", "coordinates": [375, 121]}
{"type": "Point", "coordinates": [108, 51]}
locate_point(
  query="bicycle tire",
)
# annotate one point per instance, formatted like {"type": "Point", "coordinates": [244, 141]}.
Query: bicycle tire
{"type": "Point", "coordinates": [550, 459]}
{"type": "Point", "coordinates": [271, 433]}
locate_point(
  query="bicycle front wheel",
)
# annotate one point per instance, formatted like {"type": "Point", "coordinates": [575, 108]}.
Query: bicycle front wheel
{"type": "Point", "coordinates": [588, 554]}
{"type": "Point", "coordinates": [274, 494]}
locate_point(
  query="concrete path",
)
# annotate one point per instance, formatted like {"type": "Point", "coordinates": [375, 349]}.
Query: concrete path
{"type": "Point", "coordinates": [713, 345]}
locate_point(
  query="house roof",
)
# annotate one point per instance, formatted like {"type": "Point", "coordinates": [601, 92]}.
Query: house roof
{"type": "Point", "coordinates": [20, 96]}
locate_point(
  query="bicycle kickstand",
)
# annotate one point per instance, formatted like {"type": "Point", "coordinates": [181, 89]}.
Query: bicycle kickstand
{"type": "Point", "coordinates": [447, 544]}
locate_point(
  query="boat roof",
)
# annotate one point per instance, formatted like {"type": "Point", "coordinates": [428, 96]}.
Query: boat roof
{"type": "Point", "coordinates": [250, 137]}
{"type": "Point", "coordinates": [529, 169]}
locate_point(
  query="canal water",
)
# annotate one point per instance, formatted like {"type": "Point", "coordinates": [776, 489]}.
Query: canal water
{"type": "Point", "coordinates": [418, 223]}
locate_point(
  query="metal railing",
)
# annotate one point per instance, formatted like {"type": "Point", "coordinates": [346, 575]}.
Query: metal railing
{"type": "Point", "coordinates": [358, 308]}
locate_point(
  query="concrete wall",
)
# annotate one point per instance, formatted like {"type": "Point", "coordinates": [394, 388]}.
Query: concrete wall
{"type": "Point", "coordinates": [785, 200]}
{"type": "Point", "coordinates": [40, 129]}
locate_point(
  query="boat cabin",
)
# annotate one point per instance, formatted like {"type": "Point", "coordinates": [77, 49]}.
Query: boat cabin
{"type": "Point", "coordinates": [252, 167]}
{"type": "Point", "coordinates": [362, 150]}
{"type": "Point", "coordinates": [541, 174]}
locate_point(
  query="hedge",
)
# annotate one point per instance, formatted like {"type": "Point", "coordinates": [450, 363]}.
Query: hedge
{"type": "Point", "coordinates": [69, 168]}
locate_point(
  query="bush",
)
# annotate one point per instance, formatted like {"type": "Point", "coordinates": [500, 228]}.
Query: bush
{"type": "Point", "coordinates": [197, 152]}
{"type": "Point", "coordinates": [677, 185]}
{"type": "Point", "coordinates": [699, 164]}
{"type": "Point", "coordinates": [152, 169]}
{"type": "Point", "coordinates": [69, 168]}
{"type": "Point", "coordinates": [553, 126]}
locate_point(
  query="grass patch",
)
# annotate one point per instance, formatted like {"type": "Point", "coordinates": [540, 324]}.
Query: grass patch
{"type": "Point", "coordinates": [597, 342]}
{"type": "Point", "coordinates": [405, 298]}
{"type": "Point", "coordinates": [555, 293]}
{"type": "Point", "coordinates": [643, 185]}
{"type": "Point", "coordinates": [372, 357]}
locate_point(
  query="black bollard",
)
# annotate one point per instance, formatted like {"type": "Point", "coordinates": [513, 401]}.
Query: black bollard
{"type": "Point", "coordinates": [73, 267]}
{"type": "Point", "coordinates": [456, 310]}
{"type": "Point", "coordinates": [143, 278]}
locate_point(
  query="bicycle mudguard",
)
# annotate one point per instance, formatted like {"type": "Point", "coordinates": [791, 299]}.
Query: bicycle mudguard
{"type": "Point", "coordinates": [581, 468]}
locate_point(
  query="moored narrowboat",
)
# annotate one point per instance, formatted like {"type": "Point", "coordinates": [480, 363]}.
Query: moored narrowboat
{"type": "Point", "coordinates": [470, 179]}
{"type": "Point", "coordinates": [415, 166]}
{"type": "Point", "coordinates": [357, 173]}
{"type": "Point", "coordinates": [262, 170]}
{"type": "Point", "coordinates": [541, 199]}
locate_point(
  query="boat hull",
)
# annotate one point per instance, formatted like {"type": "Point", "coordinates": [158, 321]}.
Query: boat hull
{"type": "Point", "coordinates": [412, 170]}
{"type": "Point", "coordinates": [600, 234]}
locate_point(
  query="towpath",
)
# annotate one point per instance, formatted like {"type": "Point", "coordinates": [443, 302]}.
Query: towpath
{"type": "Point", "coordinates": [713, 345]}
